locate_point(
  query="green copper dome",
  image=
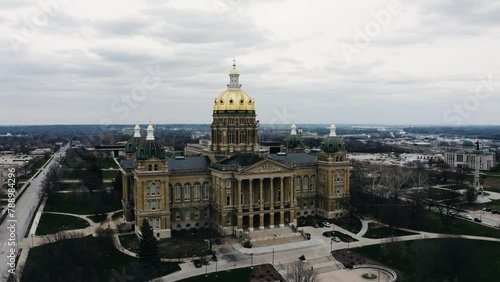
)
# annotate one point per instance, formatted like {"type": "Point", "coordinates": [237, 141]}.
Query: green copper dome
{"type": "Point", "coordinates": [132, 145]}
{"type": "Point", "coordinates": [150, 149]}
{"type": "Point", "coordinates": [468, 144]}
{"type": "Point", "coordinates": [332, 144]}
{"type": "Point", "coordinates": [293, 140]}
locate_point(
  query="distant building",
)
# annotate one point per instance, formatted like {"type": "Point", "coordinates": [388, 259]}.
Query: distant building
{"type": "Point", "coordinates": [232, 183]}
{"type": "Point", "coordinates": [467, 157]}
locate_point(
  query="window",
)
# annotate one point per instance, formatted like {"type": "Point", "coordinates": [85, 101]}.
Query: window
{"type": "Point", "coordinates": [153, 205]}
{"type": "Point", "coordinates": [305, 183]}
{"type": "Point", "coordinates": [231, 137]}
{"type": "Point", "coordinates": [154, 222]}
{"type": "Point", "coordinates": [153, 190]}
{"type": "Point", "coordinates": [155, 167]}
{"type": "Point", "coordinates": [242, 136]}
{"type": "Point", "coordinates": [187, 191]}
{"type": "Point", "coordinates": [339, 189]}
{"type": "Point", "coordinates": [231, 121]}
{"type": "Point", "coordinates": [150, 167]}
{"type": "Point", "coordinates": [322, 188]}
{"type": "Point", "coordinates": [297, 184]}
{"type": "Point", "coordinates": [157, 223]}
{"type": "Point", "coordinates": [312, 183]}
{"type": "Point", "coordinates": [219, 137]}
{"type": "Point", "coordinates": [228, 183]}
{"type": "Point", "coordinates": [322, 177]}
{"type": "Point", "coordinates": [196, 214]}
{"type": "Point", "coordinates": [178, 215]}
{"type": "Point", "coordinates": [177, 191]}
{"type": "Point", "coordinates": [196, 191]}
{"type": "Point", "coordinates": [228, 200]}
{"type": "Point", "coordinates": [206, 189]}
{"type": "Point", "coordinates": [339, 177]}
{"type": "Point", "coordinates": [187, 215]}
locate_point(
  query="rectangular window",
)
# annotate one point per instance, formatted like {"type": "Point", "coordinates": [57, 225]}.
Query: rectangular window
{"type": "Point", "coordinates": [177, 192]}
{"type": "Point", "coordinates": [297, 184]}
{"type": "Point", "coordinates": [313, 183]}
{"type": "Point", "coordinates": [206, 187]}
{"type": "Point", "coordinates": [196, 192]}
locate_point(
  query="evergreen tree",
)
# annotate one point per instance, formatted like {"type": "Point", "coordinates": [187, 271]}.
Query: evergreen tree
{"type": "Point", "coordinates": [149, 247]}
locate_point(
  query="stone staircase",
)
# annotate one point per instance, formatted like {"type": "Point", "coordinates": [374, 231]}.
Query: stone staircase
{"type": "Point", "coordinates": [276, 236]}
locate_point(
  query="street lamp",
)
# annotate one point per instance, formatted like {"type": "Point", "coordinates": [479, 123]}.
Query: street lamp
{"type": "Point", "coordinates": [216, 274]}
{"type": "Point", "coordinates": [251, 261]}
{"type": "Point", "coordinates": [273, 256]}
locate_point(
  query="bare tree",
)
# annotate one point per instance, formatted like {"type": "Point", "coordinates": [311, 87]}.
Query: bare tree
{"type": "Point", "coordinates": [51, 182]}
{"type": "Point", "coordinates": [471, 194]}
{"type": "Point", "coordinates": [448, 213]}
{"type": "Point", "coordinates": [301, 273]}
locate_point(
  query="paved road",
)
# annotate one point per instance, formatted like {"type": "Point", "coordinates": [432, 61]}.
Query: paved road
{"type": "Point", "coordinates": [25, 207]}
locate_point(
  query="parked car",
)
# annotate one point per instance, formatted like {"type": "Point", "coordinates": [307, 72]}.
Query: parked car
{"type": "Point", "coordinates": [321, 224]}
{"type": "Point", "coordinates": [315, 225]}
{"type": "Point", "coordinates": [327, 224]}
{"type": "Point", "coordinates": [487, 209]}
{"type": "Point", "coordinates": [197, 263]}
{"type": "Point", "coordinates": [493, 211]}
{"type": "Point", "coordinates": [477, 219]}
{"type": "Point", "coordinates": [468, 216]}
{"type": "Point", "coordinates": [336, 239]}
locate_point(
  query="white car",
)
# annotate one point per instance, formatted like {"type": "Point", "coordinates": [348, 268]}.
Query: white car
{"type": "Point", "coordinates": [468, 216]}
{"type": "Point", "coordinates": [327, 224]}
{"type": "Point", "coordinates": [336, 239]}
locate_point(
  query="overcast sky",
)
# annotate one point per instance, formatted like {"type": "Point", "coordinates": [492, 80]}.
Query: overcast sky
{"type": "Point", "coordinates": [385, 62]}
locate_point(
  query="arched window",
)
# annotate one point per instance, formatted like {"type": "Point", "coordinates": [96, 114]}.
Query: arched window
{"type": "Point", "coordinates": [297, 184]}
{"type": "Point", "coordinates": [155, 168]}
{"type": "Point", "coordinates": [231, 137]}
{"type": "Point", "coordinates": [196, 192]}
{"type": "Point", "coordinates": [242, 136]}
{"type": "Point", "coordinates": [150, 167]}
{"type": "Point", "coordinates": [228, 200]}
{"type": "Point", "coordinates": [312, 183]}
{"type": "Point", "coordinates": [187, 191]}
{"type": "Point", "coordinates": [305, 183]}
{"type": "Point", "coordinates": [206, 190]}
{"type": "Point", "coordinates": [177, 191]}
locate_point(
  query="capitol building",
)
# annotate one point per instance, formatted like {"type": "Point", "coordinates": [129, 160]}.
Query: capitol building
{"type": "Point", "coordinates": [233, 184]}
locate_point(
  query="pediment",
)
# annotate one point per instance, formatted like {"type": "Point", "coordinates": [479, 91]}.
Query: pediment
{"type": "Point", "coordinates": [266, 166]}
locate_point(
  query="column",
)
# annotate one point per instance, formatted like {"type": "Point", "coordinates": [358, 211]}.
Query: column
{"type": "Point", "coordinates": [250, 195]}
{"type": "Point", "coordinates": [261, 224]}
{"type": "Point", "coordinates": [250, 222]}
{"type": "Point", "coordinates": [239, 195]}
{"type": "Point", "coordinates": [261, 196]}
{"type": "Point", "coordinates": [282, 219]}
{"type": "Point", "coordinates": [272, 196]}
{"type": "Point", "coordinates": [282, 188]}
{"type": "Point", "coordinates": [240, 222]}
{"type": "Point", "coordinates": [271, 220]}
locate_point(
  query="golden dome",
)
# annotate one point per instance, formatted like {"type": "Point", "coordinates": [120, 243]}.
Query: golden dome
{"type": "Point", "coordinates": [234, 100]}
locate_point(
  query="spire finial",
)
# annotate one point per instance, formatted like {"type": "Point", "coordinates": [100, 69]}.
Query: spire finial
{"type": "Point", "coordinates": [137, 130]}
{"type": "Point", "coordinates": [332, 129]}
{"type": "Point", "coordinates": [150, 131]}
{"type": "Point", "coordinates": [294, 129]}
{"type": "Point", "coordinates": [234, 63]}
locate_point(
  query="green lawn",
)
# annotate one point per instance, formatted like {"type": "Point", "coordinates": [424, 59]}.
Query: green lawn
{"type": "Point", "coordinates": [108, 163]}
{"type": "Point", "coordinates": [442, 194]}
{"type": "Point", "coordinates": [438, 259]}
{"type": "Point", "coordinates": [431, 222]}
{"type": "Point", "coordinates": [240, 274]}
{"type": "Point", "coordinates": [353, 226]}
{"type": "Point", "coordinates": [98, 218]}
{"type": "Point", "coordinates": [86, 259]}
{"type": "Point", "coordinates": [53, 223]}
{"type": "Point", "coordinates": [376, 231]}
{"type": "Point", "coordinates": [84, 202]}
{"type": "Point", "coordinates": [494, 204]}
{"type": "Point", "coordinates": [109, 174]}
{"type": "Point", "coordinates": [182, 244]}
